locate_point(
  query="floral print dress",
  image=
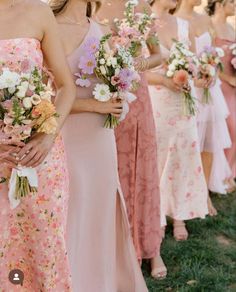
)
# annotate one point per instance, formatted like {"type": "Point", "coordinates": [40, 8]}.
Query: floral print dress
{"type": "Point", "coordinates": [32, 235]}
{"type": "Point", "coordinates": [182, 183]}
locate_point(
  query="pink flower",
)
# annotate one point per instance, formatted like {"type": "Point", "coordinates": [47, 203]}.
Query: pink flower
{"type": "Point", "coordinates": [115, 80]}
{"type": "Point", "coordinates": [87, 64]}
{"type": "Point", "coordinates": [120, 41]}
{"type": "Point", "coordinates": [13, 231]}
{"type": "Point", "coordinates": [92, 45]}
{"type": "Point", "coordinates": [181, 77]}
{"type": "Point", "coordinates": [82, 80]}
{"type": "Point", "coordinates": [7, 104]}
{"type": "Point", "coordinates": [25, 66]}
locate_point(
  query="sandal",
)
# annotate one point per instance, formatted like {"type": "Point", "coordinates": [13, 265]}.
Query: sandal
{"type": "Point", "coordinates": [159, 270]}
{"type": "Point", "coordinates": [180, 231]}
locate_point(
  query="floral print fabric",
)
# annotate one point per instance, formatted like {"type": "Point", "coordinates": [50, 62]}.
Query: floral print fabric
{"type": "Point", "coordinates": [32, 236]}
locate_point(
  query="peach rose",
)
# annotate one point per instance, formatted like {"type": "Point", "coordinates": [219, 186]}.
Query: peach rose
{"type": "Point", "coordinates": [181, 77]}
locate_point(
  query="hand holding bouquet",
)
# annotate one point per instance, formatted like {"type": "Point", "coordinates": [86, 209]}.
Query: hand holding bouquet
{"type": "Point", "coordinates": [209, 64]}
{"type": "Point", "coordinates": [114, 67]}
{"type": "Point", "coordinates": [25, 109]}
{"type": "Point", "coordinates": [181, 66]}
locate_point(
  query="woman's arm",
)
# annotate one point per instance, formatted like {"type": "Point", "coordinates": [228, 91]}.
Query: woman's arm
{"type": "Point", "coordinates": [156, 79]}
{"type": "Point", "coordinates": [92, 105]}
{"type": "Point", "coordinates": [57, 64]}
{"type": "Point", "coordinates": [39, 146]}
{"type": "Point", "coordinates": [231, 80]}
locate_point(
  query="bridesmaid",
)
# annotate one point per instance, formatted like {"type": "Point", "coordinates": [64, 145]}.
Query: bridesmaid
{"type": "Point", "coordinates": [182, 182]}
{"type": "Point", "coordinates": [101, 253]}
{"type": "Point", "coordinates": [212, 128]}
{"type": "Point", "coordinates": [32, 236]}
{"type": "Point", "coordinates": [225, 37]}
{"type": "Point", "coordinates": [137, 158]}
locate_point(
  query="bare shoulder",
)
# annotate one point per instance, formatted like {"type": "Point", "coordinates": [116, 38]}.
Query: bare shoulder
{"type": "Point", "coordinates": [39, 10]}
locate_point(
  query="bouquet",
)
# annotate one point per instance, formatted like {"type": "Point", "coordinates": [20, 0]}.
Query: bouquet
{"type": "Point", "coordinates": [209, 64]}
{"type": "Point", "coordinates": [136, 29]}
{"type": "Point", "coordinates": [25, 109]}
{"type": "Point", "coordinates": [114, 67]}
{"type": "Point", "coordinates": [181, 66]}
{"type": "Point", "coordinates": [233, 50]}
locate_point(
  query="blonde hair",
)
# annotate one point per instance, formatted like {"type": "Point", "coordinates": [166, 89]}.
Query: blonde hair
{"type": "Point", "coordinates": [58, 6]}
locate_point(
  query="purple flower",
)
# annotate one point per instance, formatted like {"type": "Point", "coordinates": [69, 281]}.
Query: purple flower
{"type": "Point", "coordinates": [82, 80]}
{"type": "Point", "coordinates": [91, 46]}
{"type": "Point", "coordinates": [87, 64]}
{"type": "Point", "coordinates": [126, 75]}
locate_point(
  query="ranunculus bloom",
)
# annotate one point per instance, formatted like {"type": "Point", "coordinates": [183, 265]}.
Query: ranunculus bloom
{"type": "Point", "coordinates": [181, 77]}
{"type": "Point", "coordinates": [49, 126]}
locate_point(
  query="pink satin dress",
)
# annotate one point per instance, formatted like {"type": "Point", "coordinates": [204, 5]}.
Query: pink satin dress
{"type": "Point", "coordinates": [32, 236]}
{"type": "Point", "coordinates": [137, 160]}
{"type": "Point", "coordinates": [230, 97]}
{"type": "Point", "coordinates": [101, 253]}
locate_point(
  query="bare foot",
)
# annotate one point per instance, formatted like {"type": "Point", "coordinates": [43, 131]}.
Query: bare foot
{"type": "Point", "coordinates": [180, 231]}
{"type": "Point", "coordinates": [231, 186]}
{"type": "Point", "coordinates": [159, 270]}
{"type": "Point", "coordinates": [212, 210]}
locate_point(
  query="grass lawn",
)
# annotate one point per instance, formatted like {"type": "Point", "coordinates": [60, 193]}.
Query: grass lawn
{"type": "Point", "coordinates": [207, 261]}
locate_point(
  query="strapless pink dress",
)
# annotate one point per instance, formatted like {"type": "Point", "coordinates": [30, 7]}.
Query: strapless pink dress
{"type": "Point", "coordinates": [230, 97]}
{"type": "Point", "coordinates": [101, 253]}
{"type": "Point", "coordinates": [182, 183]}
{"type": "Point", "coordinates": [32, 236]}
{"type": "Point", "coordinates": [212, 127]}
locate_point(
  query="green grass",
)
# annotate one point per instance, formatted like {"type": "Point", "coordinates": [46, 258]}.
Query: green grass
{"type": "Point", "coordinates": [207, 261]}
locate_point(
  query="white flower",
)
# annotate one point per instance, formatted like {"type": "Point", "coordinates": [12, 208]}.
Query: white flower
{"type": "Point", "coordinates": [11, 89]}
{"type": "Point", "coordinates": [9, 79]}
{"type": "Point", "coordinates": [102, 61]}
{"type": "Point", "coordinates": [102, 92]}
{"type": "Point", "coordinates": [153, 16]}
{"type": "Point", "coordinates": [220, 52]}
{"type": "Point", "coordinates": [117, 71]}
{"type": "Point", "coordinates": [27, 103]}
{"type": "Point", "coordinates": [26, 122]}
{"type": "Point", "coordinates": [171, 67]}
{"type": "Point", "coordinates": [217, 60]}
{"type": "Point", "coordinates": [211, 70]}
{"type": "Point", "coordinates": [27, 132]}
{"type": "Point", "coordinates": [35, 99]}
{"type": "Point", "coordinates": [133, 2]}
{"type": "Point", "coordinates": [170, 73]}
{"type": "Point", "coordinates": [111, 61]}
{"type": "Point", "coordinates": [25, 75]}
{"type": "Point", "coordinates": [175, 62]}
{"type": "Point", "coordinates": [103, 70]}
{"type": "Point", "coordinates": [22, 88]}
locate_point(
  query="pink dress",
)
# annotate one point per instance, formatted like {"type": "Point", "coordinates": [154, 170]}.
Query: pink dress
{"type": "Point", "coordinates": [137, 160]}
{"type": "Point", "coordinates": [212, 127]}
{"type": "Point", "coordinates": [182, 183]}
{"type": "Point", "coordinates": [32, 236]}
{"type": "Point", "coordinates": [101, 253]}
{"type": "Point", "coordinates": [230, 97]}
